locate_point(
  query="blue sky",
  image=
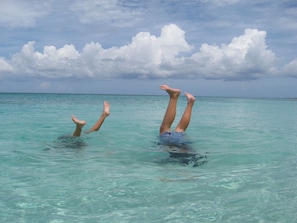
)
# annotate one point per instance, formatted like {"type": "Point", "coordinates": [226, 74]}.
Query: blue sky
{"type": "Point", "coordinates": [238, 48]}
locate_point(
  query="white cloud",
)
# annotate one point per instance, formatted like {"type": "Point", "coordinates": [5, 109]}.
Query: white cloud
{"type": "Point", "coordinates": [52, 63]}
{"type": "Point", "coordinates": [291, 68]}
{"type": "Point", "coordinates": [150, 56]}
{"type": "Point", "coordinates": [5, 67]}
{"type": "Point", "coordinates": [106, 11]}
{"type": "Point", "coordinates": [246, 57]}
{"type": "Point", "coordinates": [16, 13]}
{"type": "Point", "coordinates": [221, 2]}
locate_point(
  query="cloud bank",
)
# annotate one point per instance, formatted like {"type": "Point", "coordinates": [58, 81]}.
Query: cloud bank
{"type": "Point", "coordinates": [148, 56]}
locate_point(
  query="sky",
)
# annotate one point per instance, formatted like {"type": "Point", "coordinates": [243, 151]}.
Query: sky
{"type": "Point", "coordinates": [225, 48]}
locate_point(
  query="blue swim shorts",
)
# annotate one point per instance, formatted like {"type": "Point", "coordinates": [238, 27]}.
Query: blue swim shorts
{"type": "Point", "coordinates": [178, 139]}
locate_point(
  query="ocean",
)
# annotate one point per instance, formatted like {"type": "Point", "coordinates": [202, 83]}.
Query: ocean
{"type": "Point", "coordinates": [122, 174]}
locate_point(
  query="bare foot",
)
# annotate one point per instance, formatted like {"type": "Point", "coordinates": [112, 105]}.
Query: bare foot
{"type": "Point", "coordinates": [173, 92]}
{"type": "Point", "coordinates": [79, 123]}
{"type": "Point", "coordinates": [190, 97]}
{"type": "Point", "coordinates": [106, 109]}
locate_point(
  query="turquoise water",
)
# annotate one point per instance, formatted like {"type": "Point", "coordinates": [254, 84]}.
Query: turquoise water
{"type": "Point", "coordinates": [121, 174]}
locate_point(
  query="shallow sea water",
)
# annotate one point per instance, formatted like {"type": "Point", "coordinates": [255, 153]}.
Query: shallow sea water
{"type": "Point", "coordinates": [121, 174]}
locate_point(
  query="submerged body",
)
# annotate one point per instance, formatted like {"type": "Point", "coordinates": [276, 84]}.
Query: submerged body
{"type": "Point", "coordinates": [176, 142]}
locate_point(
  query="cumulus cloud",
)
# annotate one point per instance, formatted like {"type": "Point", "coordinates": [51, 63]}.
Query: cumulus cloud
{"type": "Point", "coordinates": [52, 63]}
{"type": "Point", "coordinates": [5, 67]}
{"type": "Point", "coordinates": [150, 56]}
{"type": "Point", "coordinates": [291, 69]}
{"type": "Point", "coordinates": [246, 57]}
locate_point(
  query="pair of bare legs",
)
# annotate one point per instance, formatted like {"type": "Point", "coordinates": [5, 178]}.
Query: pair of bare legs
{"type": "Point", "coordinates": [81, 123]}
{"type": "Point", "coordinates": [171, 110]}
